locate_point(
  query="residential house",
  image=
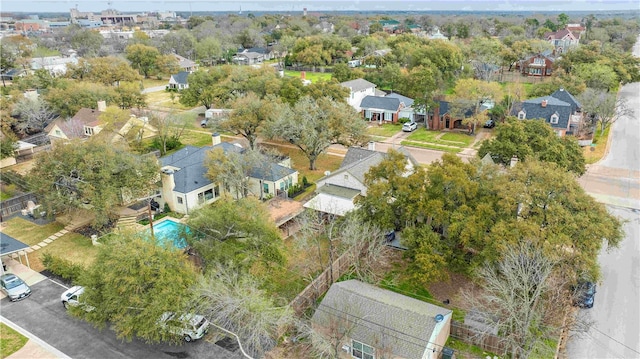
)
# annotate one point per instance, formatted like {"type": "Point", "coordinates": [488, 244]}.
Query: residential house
{"type": "Point", "coordinates": [248, 58]}
{"type": "Point", "coordinates": [179, 81]}
{"type": "Point", "coordinates": [560, 109]}
{"type": "Point", "coordinates": [267, 52]}
{"type": "Point", "coordinates": [186, 64]}
{"type": "Point", "coordinates": [336, 192]}
{"type": "Point", "coordinates": [358, 90]}
{"type": "Point", "coordinates": [372, 322]}
{"type": "Point", "coordinates": [562, 40]}
{"type": "Point", "coordinates": [390, 26]}
{"type": "Point", "coordinates": [407, 110]}
{"type": "Point", "coordinates": [56, 65]}
{"type": "Point", "coordinates": [12, 74]}
{"type": "Point", "coordinates": [443, 117]}
{"type": "Point", "coordinates": [325, 27]}
{"type": "Point", "coordinates": [381, 109]}
{"type": "Point", "coordinates": [538, 65]}
{"type": "Point", "coordinates": [437, 35]}
{"type": "Point", "coordinates": [186, 187]}
{"type": "Point", "coordinates": [87, 123]}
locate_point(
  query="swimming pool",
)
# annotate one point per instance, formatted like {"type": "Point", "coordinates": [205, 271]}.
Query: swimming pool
{"type": "Point", "coordinates": [170, 232]}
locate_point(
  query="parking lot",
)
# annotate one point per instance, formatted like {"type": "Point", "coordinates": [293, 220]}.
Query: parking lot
{"type": "Point", "coordinates": [43, 315]}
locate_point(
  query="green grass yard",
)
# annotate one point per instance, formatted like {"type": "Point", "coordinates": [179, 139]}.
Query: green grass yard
{"type": "Point", "coordinates": [10, 341]}
{"type": "Point", "coordinates": [386, 130]}
{"type": "Point", "coordinates": [311, 76]}
{"type": "Point", "coordinates": [28, 232]}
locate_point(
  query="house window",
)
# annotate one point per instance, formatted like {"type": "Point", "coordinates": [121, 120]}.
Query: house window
{"type": "Point", "coordinates": [554, 118]}
{"type": "Point", "coordinates": [388, 116]}
{"type": "Point", "coordinates": [538, 61]}
{"type": "Point", "coordinates": [208, 194]}
{"type": "Point", "coordinates": [265, 187]}
{"type": "Point", "coordinates": [179, 200]}
{"type": "Point", "coordinates": [88, 131]}
{"type": "Point", "coordinates": [361, 350]}
{"type": "Point", "coordinates": [522, 115]}
{"type": "Point", "coordinates": [346, 177]}
{"type": "Point", "coordinates": [216, 192]}
{"type": "Point", "coordinates": [58, 133]}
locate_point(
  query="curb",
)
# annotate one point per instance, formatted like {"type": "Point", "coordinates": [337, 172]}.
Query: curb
{"type": "Point", "coordinates": [616, 201]}
{"type": "Point", "coordinates": [40, 342]}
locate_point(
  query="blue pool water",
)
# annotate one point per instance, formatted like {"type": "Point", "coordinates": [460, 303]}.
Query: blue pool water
{"type": "Point", "coordinates": [170, 232]}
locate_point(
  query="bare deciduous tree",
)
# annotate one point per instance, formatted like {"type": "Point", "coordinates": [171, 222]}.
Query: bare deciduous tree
{"type": "Point", "coordinates": [34, 115]}
{"type": "Point", "coordinates": [604, 107]}
{"type": "Point", "coordinates": [235, 302]}
{"type": "Point", "coordinates": [524, 298]}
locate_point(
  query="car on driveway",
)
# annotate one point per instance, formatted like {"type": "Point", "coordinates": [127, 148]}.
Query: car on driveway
{"type": "Point", "coordinates": [71, 298]}
{"type": "Point", "coordinates": [409, 126]}
{"type": "Point", "coordinates": [584, 294]}
{"type": "Point", "coordinates": [14, 287]}
{"type": "Point", "coordinates": [189, 326]}
{"type": "Point", "coordinates": [489, 124]}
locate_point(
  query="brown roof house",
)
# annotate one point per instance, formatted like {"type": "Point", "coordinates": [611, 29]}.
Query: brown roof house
{"type": "Point", "coordinates": [86, 123]}
{"type": "Point", "coordinates": [368, 322]}
{"type": "Point", "coordinates": [562, 40]}
{"type": "Point", "coordinates": [538, 65]}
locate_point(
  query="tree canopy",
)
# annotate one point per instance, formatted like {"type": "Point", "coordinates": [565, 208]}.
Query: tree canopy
{"type": "Point", "coordinates": [132, 282]}
{"type": "Point", "coordinates": [464, 214]}
{"type": "Point", "coordinates": [92, 175]}
{"type": "Point", "coordinates": [533, 139]}
{"type": "Point", "coordinates": [315, 124]}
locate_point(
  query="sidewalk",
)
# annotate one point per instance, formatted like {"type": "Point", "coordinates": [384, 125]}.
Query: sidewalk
{"type": "Point", "coordinates": [35, 347]}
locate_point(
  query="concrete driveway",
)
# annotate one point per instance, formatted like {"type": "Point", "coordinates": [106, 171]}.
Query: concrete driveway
{"type": "Point", "coordinates": [43, 315]}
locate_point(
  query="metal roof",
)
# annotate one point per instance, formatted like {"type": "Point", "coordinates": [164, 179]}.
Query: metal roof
{"type": "Point", "coordinates": [10, 245]}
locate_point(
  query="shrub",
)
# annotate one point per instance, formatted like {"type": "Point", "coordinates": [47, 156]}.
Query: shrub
{"type": "Point", "coordinates": [66, 269]}
{"type": "Point", "coordinates": [403, 120]}
{"type": "Point", "coordinates": [305, 182]}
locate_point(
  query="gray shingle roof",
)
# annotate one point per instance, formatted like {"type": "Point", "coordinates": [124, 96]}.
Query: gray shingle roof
{"type": "Point", "coordinates": [533, 109]}
{"type": "Point", "coordinates": [357, 85]}
{"type": "Point", "coordinates": [379, 317]}
{"type": "Point", "coordinates": [192, 173]}
{"type": "Point", "coordinates": [382, 103]}
{"type": "Point", "coordinates": [408, 102]}
{"type": "Point", "coordinates": [355, 154]}
{"type": "Point", "coordinates": [181, 77]}
{"type": "Point", "coordinates": [271, 172]}
{"type": "Point", "coordinates": [565, 96]}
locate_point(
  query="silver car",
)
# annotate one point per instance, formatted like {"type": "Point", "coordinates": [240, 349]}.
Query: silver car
{"type": "Point", "coordinates": [14, 287]}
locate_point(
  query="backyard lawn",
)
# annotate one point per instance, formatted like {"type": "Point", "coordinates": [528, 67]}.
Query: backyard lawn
{"type": "Point", "coordinates": [72, 246]}
{"type": "Point", "coordinates": [162, 100]}
{"type": "Point", "coordinates": [311, 76]}
{"type": "Point", "coordinates": [28, 232]}
{"type": "Point", "coordinates": [154, 82]}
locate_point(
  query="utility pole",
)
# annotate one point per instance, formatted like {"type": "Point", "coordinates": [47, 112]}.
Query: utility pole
{"type": "Point", "coordinates": [151, 219]}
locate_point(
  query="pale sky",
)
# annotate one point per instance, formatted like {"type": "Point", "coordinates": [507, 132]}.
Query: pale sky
{"type": "Point", "coordinates": [318, 5]}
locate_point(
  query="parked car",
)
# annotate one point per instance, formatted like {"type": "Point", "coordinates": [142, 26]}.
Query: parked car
{"type": "Point", "coordinates": [71, 298]}
{"type": "Point", "coordinates": [409, 126]}
{"type": "Point", "coordinates": [489, 124]}
{"type": "Point", "coordinates": [584, 294]}
{"type": "Point", "coordinates": [14, 287]}
{"type": "Point", "coordinates": [189, 326]}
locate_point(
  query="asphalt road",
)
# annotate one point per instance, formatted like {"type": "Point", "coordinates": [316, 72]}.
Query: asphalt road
{"type": "Point", "coordinates": [615, 332]}
{"type": "Point", "coordinates": [43, 315]}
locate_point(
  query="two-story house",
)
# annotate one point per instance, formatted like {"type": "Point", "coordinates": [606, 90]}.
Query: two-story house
{"type": "Point", "coordinates": [562, 40]}
{"type": "Point", "coordinates": [358, 90]}
{"type": "Point", "coordinates": [560, 109]}
{"type": "Point", "coordinates": [538, 65]}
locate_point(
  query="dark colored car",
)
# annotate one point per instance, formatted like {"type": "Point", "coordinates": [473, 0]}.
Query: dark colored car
{"type": "Point", "coordinates": [14, 287]}
{"type": "Point", "coordinates": [584, 294]}
{"type": "Point", "coordinates": [489, 124]}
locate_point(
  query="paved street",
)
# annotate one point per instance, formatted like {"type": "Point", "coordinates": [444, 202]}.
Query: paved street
{"type": "Point", "coordinates": [616, 315]}
{"type": "Point", "coordinates": [43, 315]}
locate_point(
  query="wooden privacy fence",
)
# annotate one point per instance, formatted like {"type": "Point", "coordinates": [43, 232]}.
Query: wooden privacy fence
{"type": "Point", "coordinates": [16, 204]}
{"type": "Point", "coordinates": [321, 284]}
{"type": "Point", "coordinates": [488, 342]}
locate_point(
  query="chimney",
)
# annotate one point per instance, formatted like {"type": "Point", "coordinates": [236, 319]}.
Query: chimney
{"type": "Point", "coordinates": [168, 184]}
{"type": "Point", "coordinates": [544, 103]}
{"type": "Point", "coordinates": [514, 161]}
{"type": "Point", "coordinates": [372, 146]}
{"type": "Point", "coordinates": [102, 106]}
{"type": "Point", "coordinates": [303, 75]}
{"type": "Point", "coordinates": [215, 138]}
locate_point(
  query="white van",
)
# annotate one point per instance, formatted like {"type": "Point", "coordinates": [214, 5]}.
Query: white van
{"type": "Point", "coordinates": [71, 297]}
{"type": "Point", "coordinates": [189, 326]}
